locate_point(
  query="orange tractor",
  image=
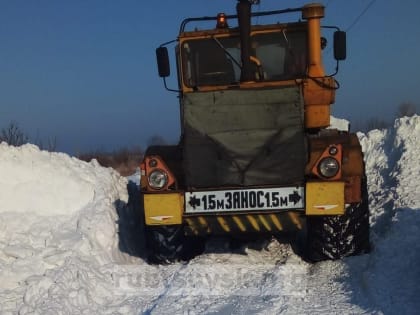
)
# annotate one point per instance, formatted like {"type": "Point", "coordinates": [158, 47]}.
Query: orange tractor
{"type": "Point", "coordinates": [255, 155]}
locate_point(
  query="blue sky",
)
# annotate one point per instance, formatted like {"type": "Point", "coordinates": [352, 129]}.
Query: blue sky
{"type": "Point", "coordinates": [84, 71]}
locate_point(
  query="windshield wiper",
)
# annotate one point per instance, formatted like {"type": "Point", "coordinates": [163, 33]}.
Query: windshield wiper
{"type": "Point", "coordinates": [226, 52]}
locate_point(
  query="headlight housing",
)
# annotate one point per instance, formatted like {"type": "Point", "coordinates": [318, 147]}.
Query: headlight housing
{"type": "Point", "coordinates": [158, 179]}
{"type": "Point", "coordinates": [328, 167]}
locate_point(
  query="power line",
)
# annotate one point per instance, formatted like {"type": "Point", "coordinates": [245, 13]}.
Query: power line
{"type": "Point", "coordinates": [360, 15]}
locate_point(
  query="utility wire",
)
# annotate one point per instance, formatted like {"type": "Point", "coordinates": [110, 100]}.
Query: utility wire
{"type": "Point", "coordinates": [356, 20]}
{"type": "Point", "coordinates": [360, 15]}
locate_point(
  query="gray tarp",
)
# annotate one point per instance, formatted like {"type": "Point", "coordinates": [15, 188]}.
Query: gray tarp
{"type": "Point", "coordinates": [244, 137]}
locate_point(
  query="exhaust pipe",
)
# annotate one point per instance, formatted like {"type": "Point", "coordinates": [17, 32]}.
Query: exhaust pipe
{"type": "Point", "coordinates": [243, 9]}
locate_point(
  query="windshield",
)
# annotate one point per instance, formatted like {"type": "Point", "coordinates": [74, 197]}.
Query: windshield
{"type": "Point", "coordinates": [279, 55]}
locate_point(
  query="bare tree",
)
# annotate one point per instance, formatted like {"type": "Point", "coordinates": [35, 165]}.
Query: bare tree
{"type": "Point", "coordinates": [50, 145]}
{"type": "Point", "coordinates": [13, 135]}
{"type": "Point", "coordinates": [406, 109]}
{"type": "Point", "coordinates": [357, 125]}
{"type": "Point", "coordinates": [376, 123]}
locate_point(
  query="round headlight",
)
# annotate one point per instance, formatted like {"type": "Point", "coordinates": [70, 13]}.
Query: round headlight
{"type": "Point", "coordinates": [328, 167]}
{"type": "Point", "coordinates": [158, 179]}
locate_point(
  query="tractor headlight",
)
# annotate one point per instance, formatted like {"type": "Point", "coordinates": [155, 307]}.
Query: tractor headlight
{"type": "Point", "coordinates": [158, 179]}
{"type": "Point", "coordinates": [328, 167]}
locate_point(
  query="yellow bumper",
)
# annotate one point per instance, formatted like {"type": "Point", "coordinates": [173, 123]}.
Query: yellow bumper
{"type": "Point", "coordinates": [324, 198]}
{"type": "Point", "coordinates": [163, 209]}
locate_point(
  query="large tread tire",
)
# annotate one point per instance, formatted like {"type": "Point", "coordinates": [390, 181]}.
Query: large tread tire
{"type": "Point", "coordinates": [336, 237]}
{"type": "Point", "coordinates": [168, 244]}
{"type": "Point", "coordinates": [165, 244]}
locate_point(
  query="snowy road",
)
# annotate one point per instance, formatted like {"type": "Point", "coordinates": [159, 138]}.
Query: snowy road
{"type": "Point", "coordinates": [70, 244]}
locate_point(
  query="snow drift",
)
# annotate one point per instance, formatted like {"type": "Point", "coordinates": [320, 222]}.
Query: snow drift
{"type": "Point", "coordinates": [57, 225]}
{"type": "Point", "coordinates": [67, 230]}
{"type": "Point", "coordinates": [390, 275]}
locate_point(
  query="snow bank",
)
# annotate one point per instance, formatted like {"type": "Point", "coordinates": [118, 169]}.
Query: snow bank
{"type": "Point", "coordinates": [339, 123]}
{"type": "Point", "coordinates": [390, 274]}
{"type": "Point", "coordinates": [393, 168]}
{"type": "Point", "coordinates": [36, 182]}
{"type": "Point", "coordinates": [57, 217]}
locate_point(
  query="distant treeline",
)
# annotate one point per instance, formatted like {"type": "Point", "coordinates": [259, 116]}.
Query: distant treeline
{"type": "Point", "coordinates": [405, 109]}
{"type": "Point", "coordinates": [124, 160]}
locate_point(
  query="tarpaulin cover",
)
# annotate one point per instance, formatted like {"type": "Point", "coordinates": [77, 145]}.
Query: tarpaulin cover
{"type": "Point", "coordinates": [244, 137]}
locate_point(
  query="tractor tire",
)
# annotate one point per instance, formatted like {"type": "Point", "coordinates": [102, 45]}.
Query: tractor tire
{"type": "Point", "coordinates": [339, 236]}
{"type": "Point", "coordinates": [165, 244]}
{"type": "Point", "coordinates": [168, 244]}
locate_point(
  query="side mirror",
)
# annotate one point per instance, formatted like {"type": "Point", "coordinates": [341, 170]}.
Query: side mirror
{"type": "Point", "coordinates": [163, 62]}
{"type": "Point", "coordinates": [340, 45]}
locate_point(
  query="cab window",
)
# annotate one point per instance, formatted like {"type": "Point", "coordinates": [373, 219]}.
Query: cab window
{"type": "Point", "coordinates": [216, 61]}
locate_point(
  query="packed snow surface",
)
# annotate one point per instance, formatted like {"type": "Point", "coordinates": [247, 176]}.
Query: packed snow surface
{"type": "Point", "coordinates": [71, 243]}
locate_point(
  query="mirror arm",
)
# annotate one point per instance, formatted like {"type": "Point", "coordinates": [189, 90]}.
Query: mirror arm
{"type": "Point", "coordinates": [168, 89]}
